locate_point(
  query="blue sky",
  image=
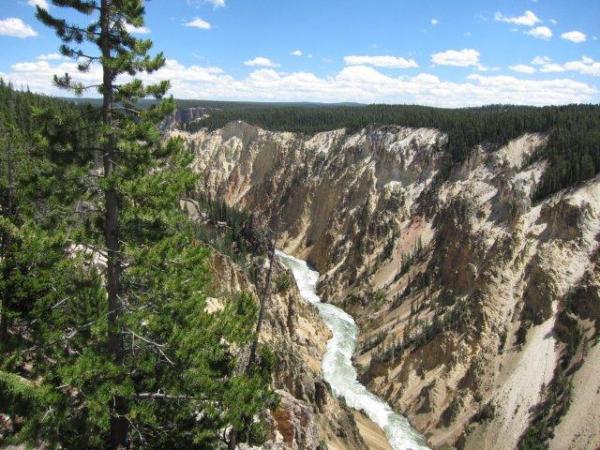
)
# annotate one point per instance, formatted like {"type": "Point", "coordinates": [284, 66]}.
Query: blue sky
{"type": "Point", "coordinates": [437, 52]}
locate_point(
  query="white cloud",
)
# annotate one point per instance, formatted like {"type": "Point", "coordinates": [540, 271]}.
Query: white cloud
{"type": "Point", "coordinates": [136, 30]}
{"type": "Point", "coordinates": [390, 62]}
{"type": "Point", "coordinates": [541, 60]}
{"type": "Point", "coordinates": [434, 22]}
{"type": "Point", "coordinates": [41, 3]}
{"type": "Point", "coordinates": [198, 3]}
{"type": "Point", "coordinates": [260, 61]}
{"type": "Point", "coordinates": [297, 53]}
{"type": "Point", "coordinates": [483, 68]}
{"type": "Point", "coordinates": [458, 58]}
{"type": "Point", "coordinates": [554, 21]}
{"type": "Point", "coordinates": [50, 57]}
{"type": "Point", "coordinates": [584, 66]}
{"type": "Point", "coordinates": [528, 19]}
{"type": "Point", "coordinates": [574, 36]}
{"type": "Point", "coordinates": [198, 23]}
{"type": "Point", "coordinates": [15, 27]}
{"type": "Point", "coordinates": [540, 33]}
{"type": "Point", "coordinates": [552, 68]}
{"type": "Point", "coordinates": [522, 68]}
{"type": "Point", "coordinates": [353, 83]}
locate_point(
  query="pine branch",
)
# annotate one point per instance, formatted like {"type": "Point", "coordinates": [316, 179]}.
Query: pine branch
{"type": "Point", "coordinates": [162, 395]}
{"type": "Point", "coordinates": [82, 6]}
{"type": "Point", "coordinates": [157, 346]}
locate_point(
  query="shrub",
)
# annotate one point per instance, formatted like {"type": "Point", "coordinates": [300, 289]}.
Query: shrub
{"type": "Point", "coordinates": [283, 282]}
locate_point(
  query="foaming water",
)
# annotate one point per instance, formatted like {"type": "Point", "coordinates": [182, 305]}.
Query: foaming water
{"type": "Point", "coordinates": [337, 363]}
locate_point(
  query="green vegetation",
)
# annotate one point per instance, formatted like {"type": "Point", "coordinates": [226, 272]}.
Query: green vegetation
{"type": "Point", "coordinates": [421, 332]}
{"type": "Point", "coordinates": [557, 398]}
{"type": "Point", "coordinates": [573, 149]}
{"type": "Point", "coordinates": [408, 259]}
{"type": "Point", "coordinates": [557, 395]}
{"type": "Point", "coordinates": [104, 337]}
{"type": "Point", "coordinates": [450, 413]}
{"type": "Point", "coordinates": [379, 297]}
{"type": "Point", "coordinates": [283, 282]}
{"type": "Point", "coordinates": [372, 342]}
{"type": "Point", "coordinates": [486, 413]}
{"type": "Point", "coordinates": [231, 230]}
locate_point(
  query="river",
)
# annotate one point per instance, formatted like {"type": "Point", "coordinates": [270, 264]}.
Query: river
{"type": "Point", "coordinates": [337, 363]}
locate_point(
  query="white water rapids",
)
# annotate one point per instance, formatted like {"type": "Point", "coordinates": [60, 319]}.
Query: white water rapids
{"type": "Point", "coordinates": [337, 363]}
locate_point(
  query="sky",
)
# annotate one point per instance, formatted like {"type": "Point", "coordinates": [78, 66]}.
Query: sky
{"type": "Point", "coordinates": [449, 53]}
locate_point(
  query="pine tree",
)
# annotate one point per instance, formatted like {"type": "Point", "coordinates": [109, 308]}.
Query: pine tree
{"type": "Point", "coordinates": [119, 53]}
{"type": "Point", "coordinates": [126, 355]}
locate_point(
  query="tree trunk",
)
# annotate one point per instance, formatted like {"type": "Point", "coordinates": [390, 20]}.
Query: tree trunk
{"type": "Point", "coordinates": [266, 295]}
{"type": "Point", "coordinates": [263, 301]}
{"type": "Point", "coordinates": [232, 440]}
{"type": "Point", "coordinates": [118, 406]}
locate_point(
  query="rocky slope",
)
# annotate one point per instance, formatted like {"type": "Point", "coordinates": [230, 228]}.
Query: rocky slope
{"type": "Point", "coordinates": [478, 310]}
{"type": "Point", "coordinates": [307, 415]}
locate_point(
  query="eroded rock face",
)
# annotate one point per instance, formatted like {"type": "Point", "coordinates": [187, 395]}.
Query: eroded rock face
{"type": "Point", "coordinates": [455, 282]}
{"type": "Point", "coordinates": [184, 117]}
{"type": "Point", "coordinates": [565, 219]}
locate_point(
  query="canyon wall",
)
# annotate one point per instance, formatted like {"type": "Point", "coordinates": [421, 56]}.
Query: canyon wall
{"type": "Point", "coordinates": [478, 309]}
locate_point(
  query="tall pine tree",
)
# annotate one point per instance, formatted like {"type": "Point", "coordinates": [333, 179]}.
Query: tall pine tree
{"type": "Point", "coordinates": [118, 53]}
{"type": "Point", "coordinates": [126, 354]}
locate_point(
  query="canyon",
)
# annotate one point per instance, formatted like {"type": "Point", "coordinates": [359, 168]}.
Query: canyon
{"type": "Point", "coordinates": [478, 308]}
